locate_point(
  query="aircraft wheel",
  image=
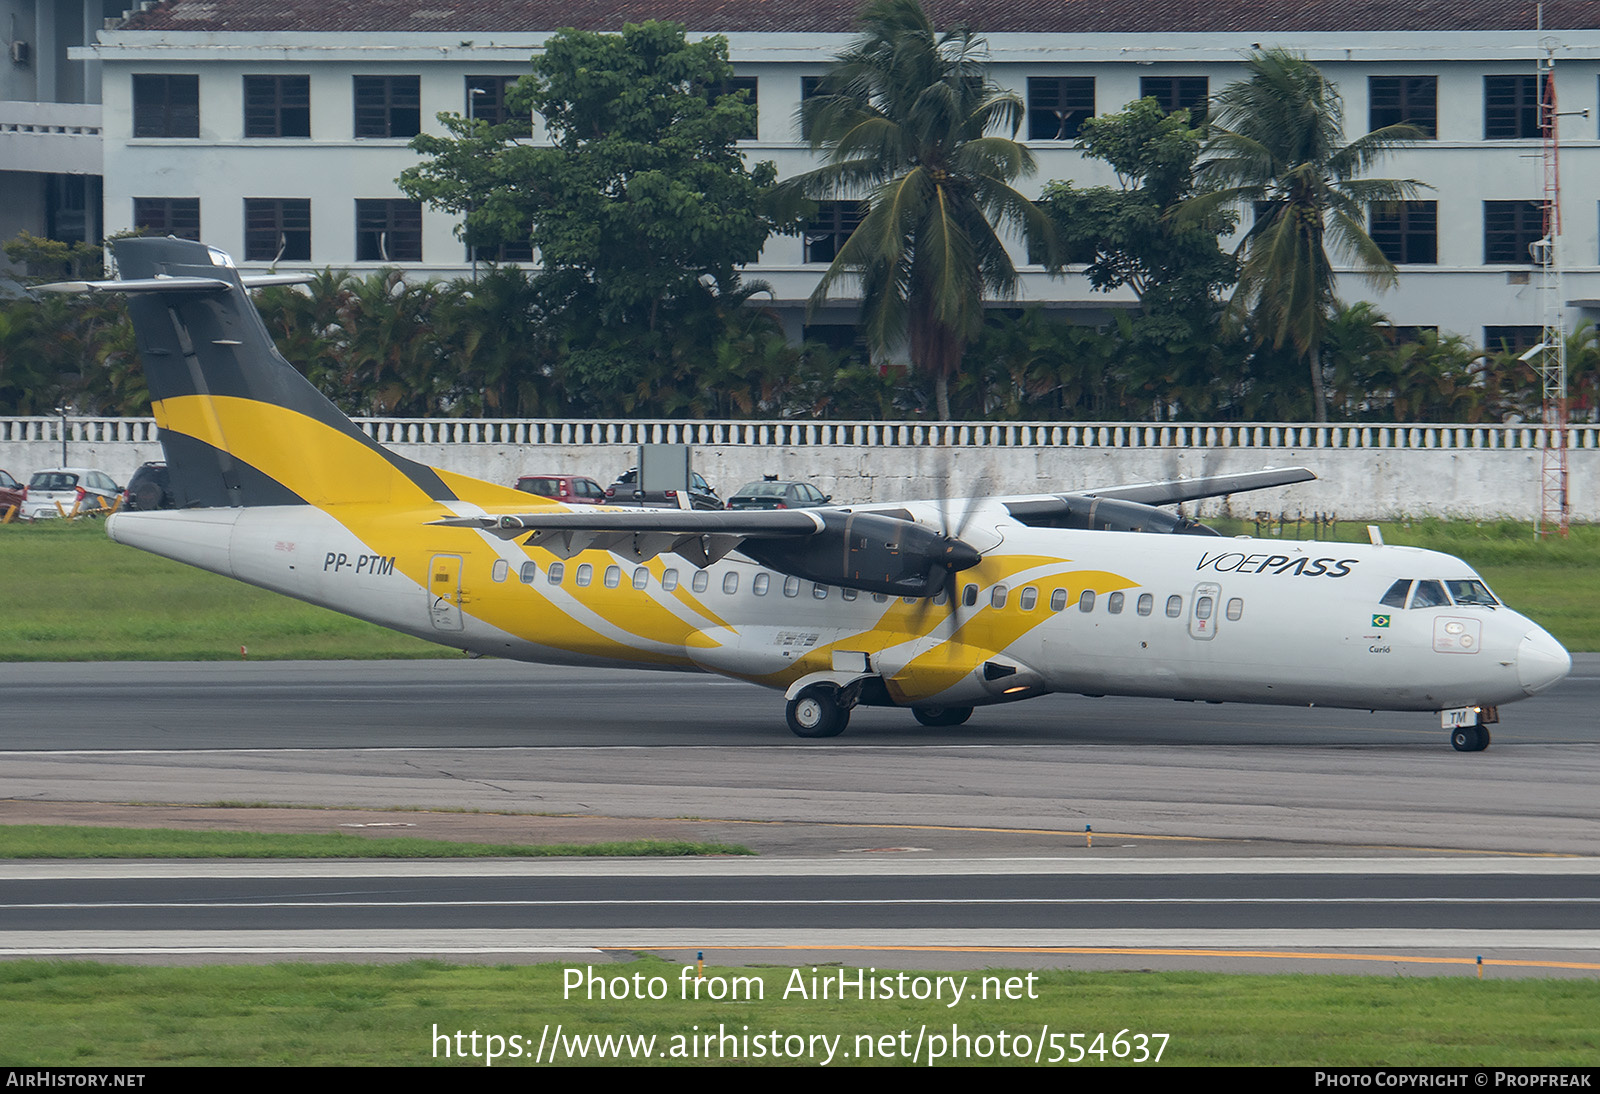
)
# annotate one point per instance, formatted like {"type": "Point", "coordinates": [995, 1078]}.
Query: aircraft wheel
{"type": "Point", "coordinates": [816, 712]}
{"type": "Point", "coordinates": [942, 716]}
{"type": "Point", "coordinates": [1470, 739]}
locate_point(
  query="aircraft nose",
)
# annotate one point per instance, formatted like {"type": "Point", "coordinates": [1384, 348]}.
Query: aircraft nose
{"type": "Point", "coordinates": [1541, 661]}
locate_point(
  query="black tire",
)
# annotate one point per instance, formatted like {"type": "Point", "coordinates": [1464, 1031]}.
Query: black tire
{"type": "Point", "coordinates": [816, 712]}
{"type": "Point", "coordinates": [1470, 739]}
{"type": "Point", "coordinates": [942, 716]}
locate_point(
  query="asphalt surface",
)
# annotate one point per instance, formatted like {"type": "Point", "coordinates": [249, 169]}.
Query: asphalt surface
{"type": "Point", "coordinates": [1285, 828]}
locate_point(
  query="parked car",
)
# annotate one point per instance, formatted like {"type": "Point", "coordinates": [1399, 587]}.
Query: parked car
{"type": "Point", "coordinates": [624, 492]}
{"type": "Point", "coordinates": [150, 488]}
{"type": "Point", "coordinates": [10, 493]}
{"type": "Point", "coordinates": [572, 489]}
{"type": "Point", "coordinates": [83, 487]}
{"type": "Point", "coordinates": [771, 494]}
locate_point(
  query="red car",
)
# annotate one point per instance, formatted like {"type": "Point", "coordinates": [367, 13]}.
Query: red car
{"type": "Point", "coordinates": [10, 493]}
{"type": "Point", "coordinates": [572, 489]}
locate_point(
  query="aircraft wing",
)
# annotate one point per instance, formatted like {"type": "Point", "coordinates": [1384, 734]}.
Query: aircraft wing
{"type": "Point", "coordinates": [702, 536]}
{"type": "Point", "coordinates": [1207, 486]}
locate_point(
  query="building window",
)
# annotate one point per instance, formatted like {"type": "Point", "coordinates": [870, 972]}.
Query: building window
{"type": "Point", "coordinates": [1403, 100]}
{"type": "Point", "coordinates": [388, 230]}
{"type": "Point", "coordinates": [501, 253]}
{"type": "Point", "coordinates": [1407, 232]}
{"type": "Point", "coordinates": [809, 88]}
{"type": "Point", "coordinates": [486, 101]}
{"type": "Point", "coordinates": [1511, 339]}
{"type": "Point", "coordinates": [168, 217]}
{"type": "Point", "coordinates": [1509, 229]}
{"type": "Point", "coordinates": [1510, 108]}
{"type": "Point", "coordinates": [733, 85]}
{"type": "Point", "coordinates": [277, 106]}
{"type": "Point", "coordinates": [1176, 93]}
{"type": "Point", "coordinates": [166, 106]}
{"type": "Point", "coordinates": [1058, 106]}
{"type": "Point", "coordinates": [827, 231]}
{"type": "Point", "coordinates": [388, 106]}
{"type": "Point", "coordinates": [277, 228]}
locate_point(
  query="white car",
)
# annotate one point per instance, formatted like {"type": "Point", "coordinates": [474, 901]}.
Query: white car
{"type": "Point", "coordinates": [84, 487]}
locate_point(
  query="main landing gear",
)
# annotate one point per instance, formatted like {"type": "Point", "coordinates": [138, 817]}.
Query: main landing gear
{"type": "Point", "coordinates": [942, 716]}
{"type": "Point", "coordinates": [817, 712]}
{"type": "Point", "coordinates": [1470, 738]}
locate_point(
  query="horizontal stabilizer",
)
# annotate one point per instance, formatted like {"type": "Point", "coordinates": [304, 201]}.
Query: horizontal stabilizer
{"type": "Point", "coordinates": [173, 284]}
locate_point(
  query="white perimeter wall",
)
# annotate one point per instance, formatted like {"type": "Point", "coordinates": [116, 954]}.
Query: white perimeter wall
{"type": "Point", "coordinates": [1364, 472]}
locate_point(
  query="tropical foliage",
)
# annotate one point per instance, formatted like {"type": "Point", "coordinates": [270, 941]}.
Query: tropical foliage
{"type": "Point", "coordinates": [910, 124]}
{"type": "Point", "coordinates": [1275, 144]}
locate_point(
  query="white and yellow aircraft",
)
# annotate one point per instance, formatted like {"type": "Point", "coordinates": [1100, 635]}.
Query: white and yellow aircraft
{"type": "Point", "coordinates": [877, 605]}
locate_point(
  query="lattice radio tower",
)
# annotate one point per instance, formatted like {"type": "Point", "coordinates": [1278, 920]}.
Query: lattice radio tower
{"type": "Point", "coordinates": [1555, 511]}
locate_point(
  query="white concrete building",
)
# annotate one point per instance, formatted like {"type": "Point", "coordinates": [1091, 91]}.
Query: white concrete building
{"type": "Point", "coordinates": [276, 129]}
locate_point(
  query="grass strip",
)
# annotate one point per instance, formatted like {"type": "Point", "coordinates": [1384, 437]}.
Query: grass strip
{"type": "Point", "coordinates": [63, 841]}
{"type": "Point", "coordinates": [73, 595]}
{"type": "Point", "coordinates": [85, 1014]}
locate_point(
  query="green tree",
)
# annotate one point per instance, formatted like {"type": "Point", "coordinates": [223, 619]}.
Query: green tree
{"type": "Point", "coordinates": [1141, 233]}
{"type": "Point", "coordinates": [1276, 142]}
{"type": "Point", "coordinates": [911, 124]}
{"type": "Point", "coordinates": [641, 199]}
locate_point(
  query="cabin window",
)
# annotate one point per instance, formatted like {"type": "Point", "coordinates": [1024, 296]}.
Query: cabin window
{"type": "Point", "coordinates": [1086, 601]}
{"type": "Point", "coordinates": [1471, 592]}
{"type": "Point", "coordinates": [1396, 596]}
{"type": "Point", "coordinates": [819, 592]}
{"type": "Point", "coordinates": [1114, 603]}
{"type": "Point", "coordinates": [761, 584]}
{"type": "Point", "coordinates": [669, 581]}
{"type": "Point", "coordinates": [730, 583]}
{"type": "Point", "coordinates": [880, 598]}
{"type": "Point", "coordinates": [1058, 600]}
{"type": "Point", "coordinates": [500, 570]}
{"type": "Point", "coordinates": [1174, 607]}
{"type": "Point", "coordinates": [969, 596]}
{"type": "Point", "coordinates": [527, 575]}
{"type": "Point", "coordinates": [1235, 609]}
{"type": "Point", "coordinates": [908, 600]}
{"type": "Point", "coordinates": [997, 596]}
{"type": "Point", "coordinates": [585, 575]}
{"type": "Point", "coordinates": [848, 594]}
{"type": "Point", "coordinates": [701, 581]}
{"type": "Point", "coordinates": [641, 578]}
{"type": "Point", "coordinates": [791, 586]}
{"type": "Point", "coordinates": [613, 576]}
{"type": "Point", "coordinates": [1030, 598]}
{"type": "Point", "coordinates": [558, 570]}
{"type": "Point", "coordinates": [1202, 608]}
{"type": "Point", "coordinates": [1147, 604]}
{"type": "Point", "coordinates": [942, 596]}
{"type": "Point", "coordinates": [1429, 594]}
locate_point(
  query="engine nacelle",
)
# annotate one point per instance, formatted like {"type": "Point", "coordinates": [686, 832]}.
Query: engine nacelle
{"type": "Point", "coordinates": [868, 551]}
{"type": "Point", "coordinates": [1103, 515]}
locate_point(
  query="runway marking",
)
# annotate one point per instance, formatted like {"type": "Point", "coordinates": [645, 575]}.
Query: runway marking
{"type": "Point", "coordinates": [1150, 951]}
{"type": "Point", "coordinates": [717, 902]}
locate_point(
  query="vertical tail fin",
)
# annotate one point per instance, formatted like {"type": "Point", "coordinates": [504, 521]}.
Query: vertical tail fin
{"type": "Point", "coordinates": [240, 427]}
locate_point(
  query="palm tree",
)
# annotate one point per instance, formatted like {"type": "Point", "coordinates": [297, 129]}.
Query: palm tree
{"type": "Point", "coordinates": [910, 125]}
{"type": "Point", "coordinates": [1275, 141]}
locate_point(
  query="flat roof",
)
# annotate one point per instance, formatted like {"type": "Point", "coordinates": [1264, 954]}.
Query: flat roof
{"type": "Point", "coordinates": [839, 16]}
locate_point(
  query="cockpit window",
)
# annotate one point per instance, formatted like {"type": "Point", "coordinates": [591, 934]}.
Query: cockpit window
{"type": "Point", "coordinates": [1396, 596]}
{"type": "Point", "coordinates": [1429, 594]}
{"type": "Point", "coordinates": [1471, 592]}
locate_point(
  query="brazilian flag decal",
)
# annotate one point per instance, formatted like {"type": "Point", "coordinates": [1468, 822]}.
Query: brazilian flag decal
{"type": "Point", "coordinates": [1380, 621]}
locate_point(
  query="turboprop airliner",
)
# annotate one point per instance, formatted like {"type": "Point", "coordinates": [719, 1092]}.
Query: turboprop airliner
{"type": "Point", "coordinates": [937, 606]}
